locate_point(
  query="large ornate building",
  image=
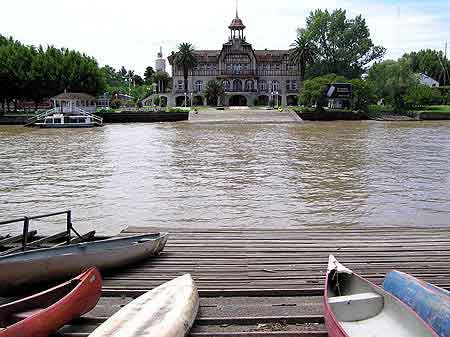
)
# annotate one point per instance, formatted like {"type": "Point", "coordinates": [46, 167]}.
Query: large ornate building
{"type": "Point", "coordinates": [249, 76]}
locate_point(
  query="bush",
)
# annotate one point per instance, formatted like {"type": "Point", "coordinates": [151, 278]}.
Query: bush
{"type": "Point", "coordinates": [156, 100]}
{"type": "Point", "coordinates": [421, 95]}
{"type": "Point", "coordinates": [116, 104]}
{"type": "Point", "coordinates": [177, 110]}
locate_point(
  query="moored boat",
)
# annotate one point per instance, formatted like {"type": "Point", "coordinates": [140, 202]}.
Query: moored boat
{"type": "Point", "coordinates": [54, 264]}
{"type": "Point", "coordinates": [166, 311]}
{"type": "Point", "coordinates": [44, 313]}
{"type": "Point", "coordinates": [354, 306]}
{"type": "Point", "coordinates": [431, 303]}
{"type": "Point", "coordinates": [59, 120]}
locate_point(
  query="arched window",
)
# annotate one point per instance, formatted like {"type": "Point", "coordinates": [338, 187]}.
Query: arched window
{"type": "Point", "coordinates": [226, 85]}
{"type": "Point", "coordinates": [198, 86]}
{"type": "Point", "coordinates": [263, 85]}
{"type": "Point", "coordinates": [249, 85]}
{"type": "Point", "coordinates": [237, 85]}
{"type": "Point", "coordinates": [275, 85]}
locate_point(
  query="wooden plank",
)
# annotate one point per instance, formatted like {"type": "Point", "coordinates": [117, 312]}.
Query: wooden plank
{"type": "Point", "coordinates": [261, 334]}
{"type": "Point", "coordinates": [37, 243]}
{"type": "Point", "coordinates": [226, 320]}
{"type": "Point", "coordinates": [303, 292]}
{"type": "Point", "coordinates": [18, 238]}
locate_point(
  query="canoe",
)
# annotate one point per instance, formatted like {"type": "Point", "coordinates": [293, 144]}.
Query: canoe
{"type": "Point", "coordinates": [354, 307]}
{"type": "Point", "coordinates": [43, 314]}
{"type": "Point", "coordinates": [55, 264]}
{"type": "Point", "coordinates": [431, 303]}
{"type": "Point", "coordinates": [166, 311]}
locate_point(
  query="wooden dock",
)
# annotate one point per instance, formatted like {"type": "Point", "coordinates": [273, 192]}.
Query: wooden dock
{"type": "Point", "coordinates": [269, 282]}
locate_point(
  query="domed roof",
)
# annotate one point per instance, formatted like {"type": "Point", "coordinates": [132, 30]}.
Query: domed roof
{"type": "Point", "coordinates": [237, 23]}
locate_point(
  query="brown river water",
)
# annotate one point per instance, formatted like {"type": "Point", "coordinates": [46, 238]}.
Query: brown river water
{"type": "Point", "coordinates": [230, 175]}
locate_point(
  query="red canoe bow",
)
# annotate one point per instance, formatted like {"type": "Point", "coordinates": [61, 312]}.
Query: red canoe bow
{"type": "Point", "coordinates": [42, 314]}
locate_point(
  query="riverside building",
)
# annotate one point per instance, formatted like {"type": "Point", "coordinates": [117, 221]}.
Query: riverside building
{"type": "Point", "coordinates": [250, 77]}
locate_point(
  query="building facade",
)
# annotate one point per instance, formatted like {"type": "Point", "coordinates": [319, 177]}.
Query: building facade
{"type": "Point", "coordinates": [250, 77]}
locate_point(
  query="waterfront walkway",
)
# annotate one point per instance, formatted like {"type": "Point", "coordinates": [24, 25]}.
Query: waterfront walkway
{"type": "Point", "coordinates": [269, 282]}
{"type": "Point", "coordinates": [244, 115]}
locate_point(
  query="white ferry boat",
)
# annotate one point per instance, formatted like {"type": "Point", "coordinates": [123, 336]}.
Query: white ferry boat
{"type": "Point", "coordinates": [70, 110]}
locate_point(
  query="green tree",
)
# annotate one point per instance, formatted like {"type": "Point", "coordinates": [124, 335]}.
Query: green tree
{"type": "Point", "coordinates": [422, 95]}
{"type": "Point", "coordinates": [214, 92]}
{"type": "Point", "coordinates": [148, 75]}
{"type": "Point", "coordinates": [362, 94]}
{"type": "Point", "coordinates": [432, 63]}
{"type": "Point", "coordinates": [138, 80]}
{"type": "Point", "coordinates": [185, 60]}
{"type": "Point", "coordinates": [313, 91]}
{"type": "Point", "coordinates": [162, 81]}
{"type": "Point", "coordinates": [33, 73]}
{"type": "Point", "coordinates": [391, 81]}
{"type": "Point", "coordinates": [343, 46]}
{"type": "Point", "coordinates": [303, 51]}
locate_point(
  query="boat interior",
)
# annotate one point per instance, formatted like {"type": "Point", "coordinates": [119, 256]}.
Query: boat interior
{"type": "Point", "coordinates": [19, 310]}
{"type": "Point", "coordinates": [364, 310]}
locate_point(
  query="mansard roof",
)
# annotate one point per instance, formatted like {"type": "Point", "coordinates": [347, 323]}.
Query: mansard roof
{"type": "Point", "coordinates": [265, 55]}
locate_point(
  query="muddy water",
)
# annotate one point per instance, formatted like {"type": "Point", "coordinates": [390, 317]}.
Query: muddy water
{"type": "Point", "coordinates": [340, 173]}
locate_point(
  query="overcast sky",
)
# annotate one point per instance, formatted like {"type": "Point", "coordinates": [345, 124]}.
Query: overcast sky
{"type": "Point", "coordinates": [129, 33]}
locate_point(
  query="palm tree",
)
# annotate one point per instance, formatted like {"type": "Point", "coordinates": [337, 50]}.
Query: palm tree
{"type": "Point", "coordinates": [303, 52]}
{"type": "Point", "coordinates": [214, 91]}
{"type": "Point", "coordinates": [185, 59]}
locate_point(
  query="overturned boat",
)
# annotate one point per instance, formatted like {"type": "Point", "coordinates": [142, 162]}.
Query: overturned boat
{"type": "Point", "coordinates": [54, 264]}
{"type": "Point", "coordinates": [431, 303]}
{"type": "Point", "coordinates": [355, 307]}
{"type": "Point", "coordinates": [166, 311]}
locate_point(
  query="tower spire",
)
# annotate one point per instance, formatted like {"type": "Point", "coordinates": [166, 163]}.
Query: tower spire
{"type": "Point", "coordinates": [237, 6]}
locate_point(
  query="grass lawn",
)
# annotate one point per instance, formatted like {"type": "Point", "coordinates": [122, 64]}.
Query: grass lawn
{"type": "Point", "coordinates": [438, 108]}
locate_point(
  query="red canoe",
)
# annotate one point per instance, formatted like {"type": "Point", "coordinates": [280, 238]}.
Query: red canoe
{"type": "Point", "coordinates": [42, 314]}
{"type": "Point", "coordinates": [355, 307]}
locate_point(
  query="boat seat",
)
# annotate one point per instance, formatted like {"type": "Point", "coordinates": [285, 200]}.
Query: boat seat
{"type": "Point", "coordinates": [357, 307]}
{"type": "Point", "coordinates": [20, 316]}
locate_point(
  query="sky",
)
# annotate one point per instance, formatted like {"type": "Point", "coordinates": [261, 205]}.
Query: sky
{"type": "Point", "coordinates": [129, 33]}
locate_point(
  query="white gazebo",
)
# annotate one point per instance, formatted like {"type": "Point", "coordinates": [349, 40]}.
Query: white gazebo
{"type": "Point", "coordinates": [73, 103]}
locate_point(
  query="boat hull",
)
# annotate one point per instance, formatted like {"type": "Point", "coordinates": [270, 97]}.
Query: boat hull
{"type": "Point", "coordinates": [166, 311]}
{"type": "Point", "coordinates": [431, 303]}
{"type": "Point", "coordinates": [54, 264]}
{"type": "Point", "coordinates": [355, 307]}
{"type": "Point", "coordinates": [79, 301]}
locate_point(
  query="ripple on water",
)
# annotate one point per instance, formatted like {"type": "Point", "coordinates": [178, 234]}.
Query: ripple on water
{"type": "Point", "coordinates": [341, 173]}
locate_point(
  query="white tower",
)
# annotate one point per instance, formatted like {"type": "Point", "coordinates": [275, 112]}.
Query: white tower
{"type": "Point", "coordinates": [160, 64]}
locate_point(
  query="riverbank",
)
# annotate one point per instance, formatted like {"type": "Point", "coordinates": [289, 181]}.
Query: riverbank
{"type": "Point", "coordinates": [144, 116]}
{"type": "Point", "coordinates": [308, 114]}
{"type": "Point", "coordinates": [116, 117]}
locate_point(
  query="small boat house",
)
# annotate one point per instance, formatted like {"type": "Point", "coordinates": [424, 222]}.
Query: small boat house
{"type": "Point", "coordinates": [72, 103]}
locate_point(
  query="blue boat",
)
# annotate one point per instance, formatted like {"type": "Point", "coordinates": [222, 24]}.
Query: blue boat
{"type": "Point", "coordinates": [431, 303]}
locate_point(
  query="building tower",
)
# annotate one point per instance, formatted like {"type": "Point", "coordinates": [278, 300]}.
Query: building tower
{"type": "Point", "coordinates": [160, 63]}
{"type": "Point", "coordinates": [237, 28]}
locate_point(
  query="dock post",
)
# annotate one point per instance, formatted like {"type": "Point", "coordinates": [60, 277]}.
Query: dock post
{"type": "Point", "coordinates": [26, 225]}
{"type": "Point", "coordinates": [69, 225]}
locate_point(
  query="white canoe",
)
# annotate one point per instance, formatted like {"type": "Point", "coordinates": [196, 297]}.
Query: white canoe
{"type": "Point", "coordinates": [166, 311]}
{"type": "Point", "coordinates": [54, 264]}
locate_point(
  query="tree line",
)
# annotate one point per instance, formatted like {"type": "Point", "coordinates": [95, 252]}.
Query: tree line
{"type": "Point", "coordinates": [333, 48]}
{"type": "Point", "coordinates": [30, 73]}
{"type": "Point", "coordinates": [36, 73]}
